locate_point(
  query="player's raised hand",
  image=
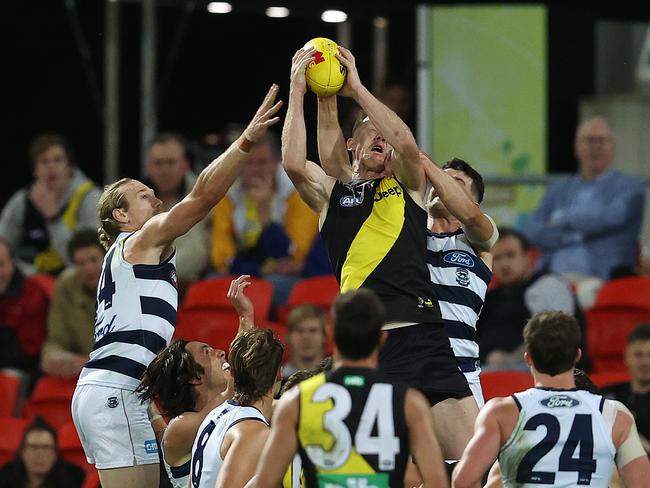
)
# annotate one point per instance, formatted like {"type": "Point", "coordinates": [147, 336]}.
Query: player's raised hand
{"type": "Point", "coordinates": [264, 117]}
{"type": "Point", "coordinates": [352, 80]}
{"type": "Point", "coordinates": [299, 64]}
{"type": "Point", "coordinates": [241, 303]}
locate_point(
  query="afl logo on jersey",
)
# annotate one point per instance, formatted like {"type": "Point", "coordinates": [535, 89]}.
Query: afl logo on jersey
{"type": "Point", "coordinates": [351, 200]}
{"type": "Point", "coordinates": [112, 402]}
{"type": "Point", "coordinates": [172, 276]}
{"type": "Point", "coordinates": [560, 401]}
{"type": "Point", "coordinates": [459, 258]}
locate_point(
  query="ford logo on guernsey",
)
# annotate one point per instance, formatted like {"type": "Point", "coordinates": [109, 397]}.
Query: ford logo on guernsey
{"type": "Point", "coordinates": [557, 401]}
{"type": "Point", "coordinates": [459, 258]}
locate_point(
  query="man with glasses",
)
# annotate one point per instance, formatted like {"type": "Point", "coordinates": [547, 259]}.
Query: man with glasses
{"type": "Point", "coordinates": [588, 225]}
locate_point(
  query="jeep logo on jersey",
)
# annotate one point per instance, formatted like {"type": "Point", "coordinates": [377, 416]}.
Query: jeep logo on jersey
{"type": "Point", "coordinates": [351, 200]}
{"type": "Point", "coordinates": [459, 258]}
{"type": "Point", "coordinates": [556, 401]}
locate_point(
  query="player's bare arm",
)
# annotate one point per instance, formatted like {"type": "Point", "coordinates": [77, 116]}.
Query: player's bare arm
{"type": "Point", "coordinates": [240, 452]}
{"type": "Point", "coordinates": [477, 226]}
{"type": "Point", "coordinates": [211, 185]}
{"type": "Point", "coordinates": [493, 426]}
{"type": "Point", "coordinates": [631, 459]}
{"type": "Point", "coordinates": [332, 151]}
{"type": "Point", "coordinates": [309, 179]}
{"type": "Point", "coordinates": [406, 154]}
{"type": "Point", "coordinates": [424, 446]}
{"type": "Point", "coordinates": [281, 444]}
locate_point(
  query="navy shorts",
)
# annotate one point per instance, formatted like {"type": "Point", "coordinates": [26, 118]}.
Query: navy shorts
{"type": "Point", "coordinates": [421, 356]}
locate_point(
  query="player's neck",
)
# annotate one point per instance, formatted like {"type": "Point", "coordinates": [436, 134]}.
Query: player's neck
{"type": "Point", "coordinates": [265, 405]}
{"type": "Point", "coordinates": [562, 381]}
{"type": "Point", "coordinates": [370, 362]}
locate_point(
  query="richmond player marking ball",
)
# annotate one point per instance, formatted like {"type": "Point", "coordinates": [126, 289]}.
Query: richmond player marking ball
{"type": "Point", "coordinates": [326, 75]}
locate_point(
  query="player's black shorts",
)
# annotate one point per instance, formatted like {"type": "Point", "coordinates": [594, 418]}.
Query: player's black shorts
{"type": "Point", "coordinates": [420, 356]}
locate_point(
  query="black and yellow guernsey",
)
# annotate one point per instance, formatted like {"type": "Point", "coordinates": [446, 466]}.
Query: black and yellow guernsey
{"type": "Point", "coordinates": [352, 430]}
{"type": "Point", "coordinates": [376, 237]}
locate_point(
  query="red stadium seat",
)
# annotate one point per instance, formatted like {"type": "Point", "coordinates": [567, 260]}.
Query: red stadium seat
{"type": "Point", "coordinates": [12, 430]}
{"type": "Point", "coordinates": [504, 383]}
{"type": "Point", "coordinates": [51, 400]}
{"type": "Point", "coordinates": [318, 290]}
{"type": "Point", "coordinates": [620, 306]}
{"type": "Point", "coordinates": [70, 447]}
{"type": "Point", "coordinates": [606, 378]}
{"type": "Point", "coordinates": [212, 293]}
{"type": "Point", "coordinates": [206, 314]}
{"type": "Point", "coordinates": [9, 387]}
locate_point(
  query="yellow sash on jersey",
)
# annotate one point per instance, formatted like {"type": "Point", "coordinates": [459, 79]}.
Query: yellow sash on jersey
{"type": "Point", "coordinates": [49, 261]}
{"type": "Point", "coordinates": [376, 236]}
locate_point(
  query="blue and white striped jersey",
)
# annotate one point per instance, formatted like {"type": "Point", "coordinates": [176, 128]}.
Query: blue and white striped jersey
{"type": "Point", "coordinates": [460, 278]}
{"type": "Point", "coordinates": [135, 318]}
{"type": "Point", "coordinates": [206, 451]}
{"type": "Point", "coordinates": [563, 438]}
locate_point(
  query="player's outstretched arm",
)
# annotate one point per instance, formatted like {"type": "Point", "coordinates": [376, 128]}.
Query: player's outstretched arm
{"type": "Point", "coordinates": [477, 225]}
{"type": "Point", "coordinates": [213, 182]}
{"type": "Point", "coordinates": [309, 179]}
{"type": "Point", "coordinates": [483, 448]}
{"type": "Point", "coordinates": [281, 445]}
{"type": "Point", "coordinates": [631, 459]}
{"type": "Point", "coordinates": [241, 303]}
{"type": "Point", "coordinates": [406, 160]}
{"type": "Point", "coordinates": [332, 151]}
{"type": "Point", "coordinates": [424, 446]}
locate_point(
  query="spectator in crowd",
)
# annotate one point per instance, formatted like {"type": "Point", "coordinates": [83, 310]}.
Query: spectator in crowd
{"type": "Point", "coordinates": [263, 227]}
{"type": "Point", "coordinates": [71, 318]}
{"type": "Point", "coordinates": [37, 463]}
{"type": "Point", "coordinates": [520, 293]}
{"type": "Point", "coordinates": [23, 316]}
{"type": "Point", "coordinates": [589, 224]}
{"type": "Point", "coordinates": [635, 394]}
{"type": "Point", "coordinates": [39, 220]}
{"type": "Point", "coordinates": [169, 174]}
{"type": "Point", "coordinates": [306, 338]}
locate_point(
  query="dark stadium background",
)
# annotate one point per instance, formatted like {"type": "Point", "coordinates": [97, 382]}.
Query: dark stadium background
{"type": "Point", "coordinates": [223, 65]}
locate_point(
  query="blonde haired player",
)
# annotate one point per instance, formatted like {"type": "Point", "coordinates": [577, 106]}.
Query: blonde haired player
{"type": "Point", "coordinates": [136, 307]}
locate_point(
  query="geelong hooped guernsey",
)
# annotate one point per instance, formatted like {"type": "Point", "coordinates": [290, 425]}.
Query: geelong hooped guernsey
{"type": "Point", "coordinates": [206, 451]}
{"type": "Point", "coordinates": [135, 318]}
{"type": "Point", "coordinates": [460, 279]}
{"type": "Point", "coordinates": [351, 430]}
{"type": "Point", "coordinates": [376, 237]}
{"type": "Point", "coordinates": [563, 438]}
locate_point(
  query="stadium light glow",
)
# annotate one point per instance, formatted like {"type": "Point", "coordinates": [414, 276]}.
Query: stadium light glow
{"type": "Point", "coordinates": [334, 16]}
{"type": "Point", "coordinates": [277, 12]}
{"type": "Point", "coordinates": [219, 7]}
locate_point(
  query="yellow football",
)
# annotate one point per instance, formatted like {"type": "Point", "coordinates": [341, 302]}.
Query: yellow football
{"type": "Point", "coordinates": [325, 75]}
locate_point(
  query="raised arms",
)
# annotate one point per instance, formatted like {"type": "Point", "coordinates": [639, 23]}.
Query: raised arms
{"type": "Point", "coordinates": [309, 179]}
{"type": "Point", "coordinates": [213, 182]}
